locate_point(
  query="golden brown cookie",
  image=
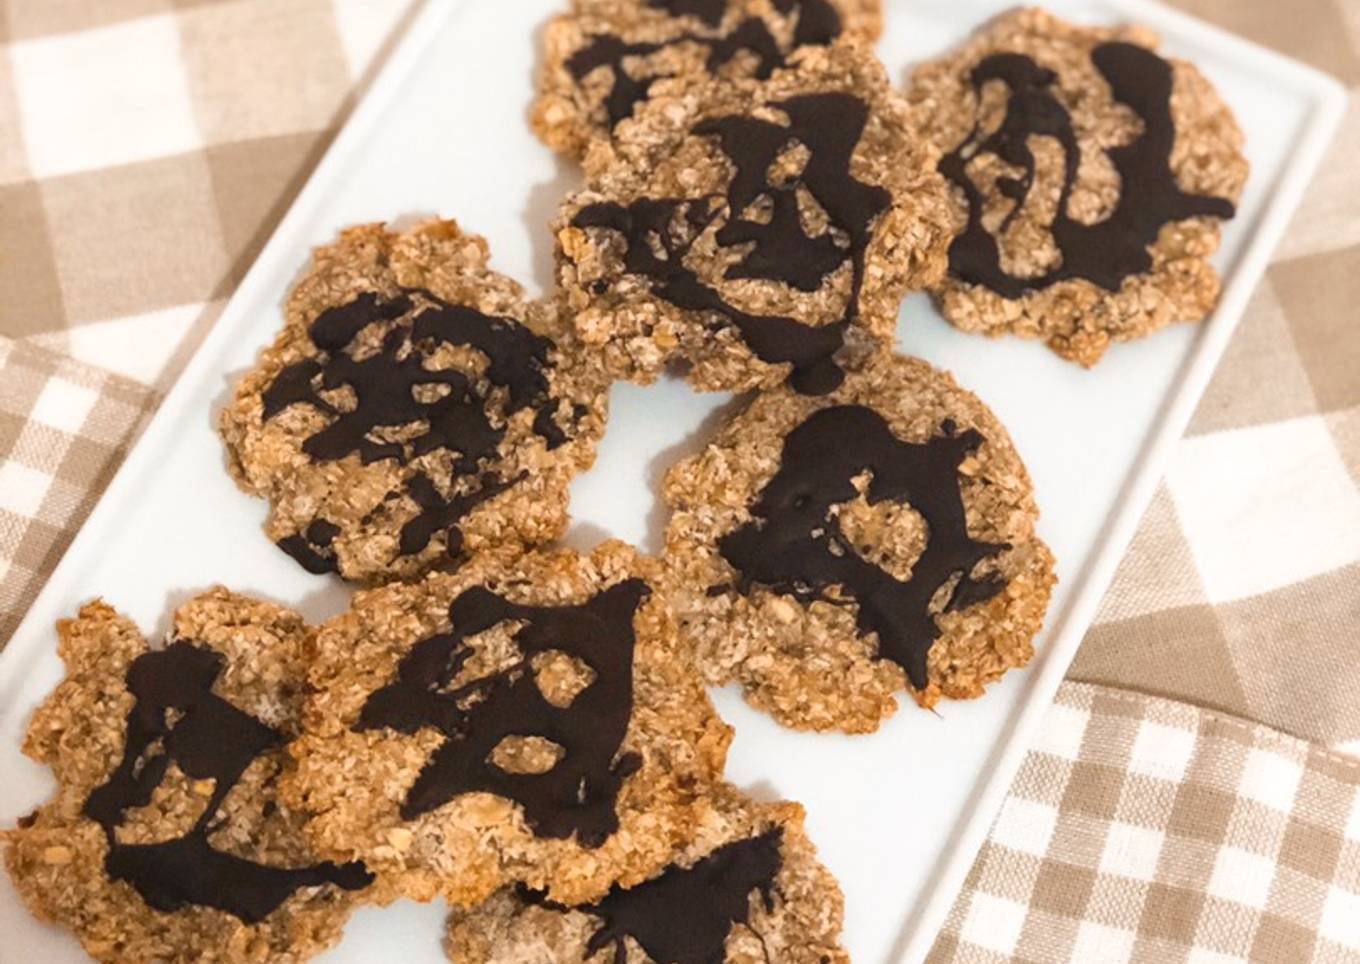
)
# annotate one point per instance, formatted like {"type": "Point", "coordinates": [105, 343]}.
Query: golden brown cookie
{"type": "Point", "coordinates": [1089, 179]}
{"type": "Point", "coordinates": [533, 722]}
{"type": "Point", "coordinates": [758, 234]}
{"type": "Point", "coordinates": [826, 552]}
{"type": "Point", "coordinates": [414, 409]}
{"type": "Point", "coordinates": [748, 888]}
{"type": "Point", "coordinates": [165, 840]}
{"type": "Point", "coordinates": [603, 57]}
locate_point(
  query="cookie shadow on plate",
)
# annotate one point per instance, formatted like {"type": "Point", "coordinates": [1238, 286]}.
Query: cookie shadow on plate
{"type": "Point", "coordinates": [543, 199]}
{"type": "Point", "coordinates": [541, 203]}
{"type": "Point", "coordinates": [662, 462]}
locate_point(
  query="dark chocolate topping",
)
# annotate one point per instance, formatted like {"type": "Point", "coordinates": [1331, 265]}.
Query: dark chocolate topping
{"type": "Point", "coordinates": [829, 126]}
{"type": "Point", "coordinates": [209, 740]}
{"type": "Point", "coordinates": [1104, 253]}
{"type": "Point", "coordinates": [311, 549]}
{"type": "Point", "coordinates": [628, 91]}
{"type": "Point", "coordinates": [188, 872]}
{"type": "Point", "coordinates": [577, 794]}
{"type": "Point", "coordinates": [384, 383]}
{"type": "Point", "coordinates": [440, 512]}
{"type": "Point", "coordinates": [818, 23]}
{"type": "Point", "coordinates": [393, 389]}
{"type": "Point", "coordinates": [709, 11]}
{"type": "Point", "coordinates": [794, 545]}
{"type": "Point", "coordinates": [685, 915]}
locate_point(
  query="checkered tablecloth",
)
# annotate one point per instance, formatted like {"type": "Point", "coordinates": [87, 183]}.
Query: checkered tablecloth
{"type": "Point", "coordinates": [148, 147]}
{"type": "Point", "coordinates": [1142, 829]}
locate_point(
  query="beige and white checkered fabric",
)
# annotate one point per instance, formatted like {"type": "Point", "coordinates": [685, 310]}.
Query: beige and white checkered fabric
{"type": "Point", "coordinates": [1141, 829]}
{"type": "Point", "coordinates": [1241, 591]}
{"type": "Point", "coordinates": [148, 148]}
{"type": "Point", "coordinates": [64, 428]}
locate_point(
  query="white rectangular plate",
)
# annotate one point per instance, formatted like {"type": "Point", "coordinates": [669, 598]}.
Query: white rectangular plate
{"type": "Point", "coordinates": [898, 816]}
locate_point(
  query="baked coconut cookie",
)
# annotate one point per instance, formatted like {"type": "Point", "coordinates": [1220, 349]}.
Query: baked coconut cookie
{"type": "Point", "coordinates": [759, 234]}
{"type": "Point", "coordinates": [534, 722]}
{"type": "Point", "coordinates": [748, 888]}
{"type": "Point", "coordinates": [828, 552]}
{"type": "Point", "coordinates": [165, 840]}
{"type": "Point", "coordinates": [603, 57]}
{"type": "Point", "coordinates": [414, 409]}
{"type": "Point", "coordinates": [1089, 176]}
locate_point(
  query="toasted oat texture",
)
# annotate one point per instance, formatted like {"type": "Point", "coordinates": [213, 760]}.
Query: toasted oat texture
{"type": "Point", "coordinates": [1089, 177]}
{"type": "Point", "coordinates": [414, 409]}
{"type": "Point", "coordinates": [746, 890]}
{"type": "Point", "coordinates": [602, 58]}
{"type": "Point", "coordinates": [826, 552]}
{"type": "Point", "coordinates": [165, 840]}
{"type": "Point", "coordinates": [535, 722]}
{"type": "Point", "coordinates": [760, 234]}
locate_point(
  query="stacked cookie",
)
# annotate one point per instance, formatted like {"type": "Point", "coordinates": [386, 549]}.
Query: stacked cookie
{"type": "Point", "coordinates": [522, 730]}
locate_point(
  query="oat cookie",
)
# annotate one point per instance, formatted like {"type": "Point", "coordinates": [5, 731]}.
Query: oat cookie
{"type": "Point", "coordinates": [826, 552]}
{"type": "Point", "coordinates": [760, 235]}
{"type": "Point", "coordinates": [413, 409]}
{"type": "Point", "coordinates": [165, 839]}
{"type": "Point", "coordinates": [535, 722]}
{"type": "Point", "coordinates": [604, 56]}
{"type": "Point", "coordinates": [747, 889]}
{"type": "Point", "coordinates": [1089, 180]}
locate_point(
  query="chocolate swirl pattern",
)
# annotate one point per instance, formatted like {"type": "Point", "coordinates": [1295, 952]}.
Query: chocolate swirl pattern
{"type": "Point", "coordinates": [403, 409]}
{"type": "Point", "coordinates": [817, 23]}
{"type": "Point", "coordinates": [777, 249]}
{"type": "Point", "coordinates": [1108, 251]}
{"type": "Point", "coordinates": [209, 739]}
{"type": "Point", "coordinates": [685, 915]}
{"type": "Point", "coordinates": [576, 795]}
{"type": "Point", "coordinates": [794, 544]}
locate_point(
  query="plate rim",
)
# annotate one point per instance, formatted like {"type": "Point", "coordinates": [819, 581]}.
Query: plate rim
{"type": "Point", "coordinates": [1328, 104]}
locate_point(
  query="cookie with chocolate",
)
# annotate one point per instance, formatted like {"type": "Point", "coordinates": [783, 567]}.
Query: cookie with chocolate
{"type": "Point", "coordinates": [603, 58]}
{"type": "Point", "coordinates": [828, 552]}
{"type": "Point", "coordinates": [747, 887]}
{"type": "Point", "coordinates": [414, 409]}
{"type": "Point", "coordinates": [1089, 179]}
{"type": "Point", "coordinates": [759, 234]}
{"type": "Point", "coordinates": [166, 839]}
{"type": "Point", "coordinates": [533, 722]}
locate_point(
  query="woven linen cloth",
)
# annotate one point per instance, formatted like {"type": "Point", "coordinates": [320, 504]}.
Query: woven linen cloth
{"type": "Point", "coordinates": [1142, 829]}
{"type": "Point", "coordinates": [148, 148]}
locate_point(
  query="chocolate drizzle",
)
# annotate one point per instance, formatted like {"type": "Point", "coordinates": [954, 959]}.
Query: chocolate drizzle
{"type": "Point", "coordinates": [709, 11]}
{"type": "Point", "coordinates": [1104, 253]}
{"type": "Point", "coordinates": [628, 91]}
{"type": "Point", "coordinates": [794, 544]}
{"type": "Point", "coordinates": [394, 390]}
{"type": "Point", "coordinates": [440, 512]}
{"type": "Point", "coordinates": [311, 549]}
{"type": "Point", "coordinates": [685, 915]}
{"type": "Point", "coordinates": [829, 126]}
{"type": "Point", "coordinates": [577, 794]}
{"type": "Point", "coordinates": [210, 740]}
{"type": "Point", "coordinates": [818, 23]}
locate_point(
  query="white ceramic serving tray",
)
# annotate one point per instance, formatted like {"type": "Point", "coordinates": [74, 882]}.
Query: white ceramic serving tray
{"type": "Point", "coordinates": [898, 816]}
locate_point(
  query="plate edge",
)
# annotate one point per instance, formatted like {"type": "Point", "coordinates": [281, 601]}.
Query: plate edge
{"type": "Point", "coordinates": [1329, 103]}
{"type": "Point", "coordinates": [420, 32]}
